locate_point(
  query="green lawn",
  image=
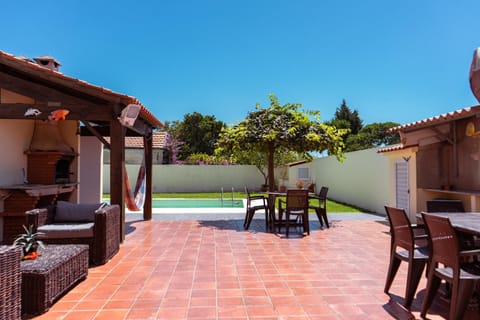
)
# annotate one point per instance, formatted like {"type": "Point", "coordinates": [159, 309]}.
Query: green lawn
{"type": "Point", "coordinates": [331, 205]}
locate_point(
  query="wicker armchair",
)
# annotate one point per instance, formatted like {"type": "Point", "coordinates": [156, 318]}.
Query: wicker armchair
{"type": "Point", "coordinates": [10, 282]}
{"type": "Point", "coordinates": [101, 232]}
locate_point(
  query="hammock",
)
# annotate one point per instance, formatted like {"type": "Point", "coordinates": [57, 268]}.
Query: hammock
{"type": "Point", "coordinates": [475, 74]}
{"type": "Point", "coordinates": [136, 200]}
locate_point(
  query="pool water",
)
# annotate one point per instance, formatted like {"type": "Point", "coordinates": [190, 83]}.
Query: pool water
{"type": "Point", "coordinates": [196, 203]}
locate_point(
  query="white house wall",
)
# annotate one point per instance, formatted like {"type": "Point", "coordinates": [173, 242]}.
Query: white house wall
{"type": "Point", "coordinates": [15, 136]}
{"type": "Point", "coordinates": [90, 176]}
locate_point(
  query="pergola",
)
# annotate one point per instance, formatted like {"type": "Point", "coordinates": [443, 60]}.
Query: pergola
{"type": "Point", "coordinates": [96, 108]}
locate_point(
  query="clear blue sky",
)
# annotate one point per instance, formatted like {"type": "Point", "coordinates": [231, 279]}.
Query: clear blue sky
{"type": "Point", "coordinates": [396, 61]}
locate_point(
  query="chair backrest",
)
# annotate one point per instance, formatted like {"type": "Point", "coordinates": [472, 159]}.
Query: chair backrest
{"type": "Point", "coordinates": [322, 194]}
{"type": "Point", "coordinates": [443, 241]}
{"type": "Point", "coordinates": [297, 199]}
{"type": "Point", "coordinates": [247, 193]}
{"type": "Point", "coordinates": [400, 228]}
{"type": "Point", "coordinates": [439, 205]}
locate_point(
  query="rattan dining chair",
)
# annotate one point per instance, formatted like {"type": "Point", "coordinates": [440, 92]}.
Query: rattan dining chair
{"type": "Point", "coordinates": [296, 205]}
{"type": "Point", "coordinates": [446, 264]}
{"type": "Point", "coordinates": [254, 204]}
{"type": "Point", "coordinates": [405, 246]}
{"type": "Point", "coordinates": [321, 208]}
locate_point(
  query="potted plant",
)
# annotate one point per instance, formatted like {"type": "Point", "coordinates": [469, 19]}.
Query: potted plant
{"type": "Point", "coordinates": [29, 241]}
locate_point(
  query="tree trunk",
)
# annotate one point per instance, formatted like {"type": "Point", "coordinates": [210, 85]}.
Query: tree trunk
{"type": "Point", "coordinates": [271, 166]}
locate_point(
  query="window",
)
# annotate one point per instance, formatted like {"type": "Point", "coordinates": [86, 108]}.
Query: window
{"type": "Point", "coordinates": [303, 174]}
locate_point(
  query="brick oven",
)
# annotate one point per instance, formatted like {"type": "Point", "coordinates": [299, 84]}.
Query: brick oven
{"type": "Point", "coordinates": [48, 178]}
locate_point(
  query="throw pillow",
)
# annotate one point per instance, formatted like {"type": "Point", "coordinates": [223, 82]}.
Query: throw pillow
{"type": "Point", "coordinates": [73, 212]}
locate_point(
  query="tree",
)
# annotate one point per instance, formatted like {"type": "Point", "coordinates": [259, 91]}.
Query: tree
{"type": "Point", "coordinates": [281, 128]}
{"type": "Point", "coordinates": [198, 133]}
{"type": "Point", "coordinates": [372, 135]}
{"type": "Point", "coordinates": [345, 118]}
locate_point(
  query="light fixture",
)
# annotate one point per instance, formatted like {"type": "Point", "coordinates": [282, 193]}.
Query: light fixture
{"type": "Point", "coordinates": [129, 115]}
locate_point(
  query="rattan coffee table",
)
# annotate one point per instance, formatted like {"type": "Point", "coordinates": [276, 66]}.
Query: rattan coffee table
{"type": "Point", "coordinates": [52, 274]}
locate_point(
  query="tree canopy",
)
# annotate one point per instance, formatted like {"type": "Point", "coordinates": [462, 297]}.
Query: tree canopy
{"type": "Point", "coordinates": [281, 128]}
{"type": "Point", "coordinates": [197, 133]}
{"type": "Point", "coordinates": [372, 135]}
{"type": "Point", "coordinates": [361, 137]}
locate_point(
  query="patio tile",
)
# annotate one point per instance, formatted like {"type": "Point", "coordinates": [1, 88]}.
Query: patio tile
{"type": "Point", "coordinates": [214, 269]}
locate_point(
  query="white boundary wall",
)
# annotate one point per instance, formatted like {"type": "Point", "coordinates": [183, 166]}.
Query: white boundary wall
{"type": "Point", "coordinates": [361, 180]}
{"type": "Point", "coordinates": [192, 178]}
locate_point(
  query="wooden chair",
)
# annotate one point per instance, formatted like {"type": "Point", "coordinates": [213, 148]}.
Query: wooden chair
{"type": "Point", "coordinates": [296, 204]}
{"type": "Point", "coordinates": [254, 204]}
{"type": "Point", "coordinates": [403, 237]}
{"type": "Point", "coordinates": [321, 208]}
{"type": "Point", "coordinates": [446, 264]}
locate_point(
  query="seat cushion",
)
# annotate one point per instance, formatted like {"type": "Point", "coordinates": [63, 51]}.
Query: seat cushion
{"type": "Point", "coordinates": [75, 212]}
{"type": "Point", "coordinates": [67, 230]}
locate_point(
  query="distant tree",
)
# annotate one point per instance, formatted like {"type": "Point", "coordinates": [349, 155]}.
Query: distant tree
{"type": "Point", "coordinates": [345, 118]}
{"type": "Point", "coordinates": [372, 135]}
{"type": "Point", "coordinates": [198, 133]}
{"type": "Point", "coordinates": [281, 127]}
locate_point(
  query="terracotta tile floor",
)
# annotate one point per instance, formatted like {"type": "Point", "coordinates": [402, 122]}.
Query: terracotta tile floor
{"type": "Point", "coordinates": [216, 270]}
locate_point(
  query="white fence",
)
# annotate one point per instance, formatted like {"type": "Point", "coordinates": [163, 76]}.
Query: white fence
{"type": "Point", "coordinates": [361, 180]}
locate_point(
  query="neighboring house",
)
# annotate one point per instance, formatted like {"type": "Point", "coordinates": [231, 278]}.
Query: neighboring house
{"type": "Point", "coordinates": [438, 158]}
{"type": "Point", "coordinates": [134, 149]}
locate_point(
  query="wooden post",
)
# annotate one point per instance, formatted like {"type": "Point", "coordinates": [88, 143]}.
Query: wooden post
{"type": "Point", "coordinates": [148, 148]}
{"type": "Point", "coordinates": [117, 170]}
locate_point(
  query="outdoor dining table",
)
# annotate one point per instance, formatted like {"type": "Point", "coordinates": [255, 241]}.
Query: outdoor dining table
{"type": "Point", "coordinates": [272, 198]}
{"type": "Point", "coordinates": [465, 222]}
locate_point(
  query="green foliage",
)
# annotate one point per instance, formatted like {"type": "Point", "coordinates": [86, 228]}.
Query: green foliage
{"type": "Point", "coordinates": [345, 116]}
{"type": "Point", "coordinates": [198, 134]}
{"type": "Point", "coordinates": [279, 128]}
{"type": "Point", "coordinates": [29, 239]}
{"type": "Point", "coordinates": [372, 135]}
{"type": "Point", "coordinates": [361, 137]}
{"type": "Point", "coordinates": [203, 158]}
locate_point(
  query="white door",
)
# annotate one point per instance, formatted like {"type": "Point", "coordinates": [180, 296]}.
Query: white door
{"type": "Point", "coordinates": [401, 185]}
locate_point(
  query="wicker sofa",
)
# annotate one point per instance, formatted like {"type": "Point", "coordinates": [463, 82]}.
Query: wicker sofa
{"type": "Point", "coordinates": [10, 282]}
{"type": "Point", "coordinates": [97, 225]}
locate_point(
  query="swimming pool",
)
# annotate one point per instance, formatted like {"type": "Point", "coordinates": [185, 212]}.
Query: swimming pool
{"type": "Point", "coordinates": [196, 203]}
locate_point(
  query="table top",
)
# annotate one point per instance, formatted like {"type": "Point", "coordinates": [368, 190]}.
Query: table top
{"type": "Point", "coordinates": [51, 256]}
{"type": "Point", "coordinates": [468, 222]}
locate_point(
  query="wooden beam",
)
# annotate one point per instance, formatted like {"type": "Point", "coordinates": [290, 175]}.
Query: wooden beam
{"type": "Point", "coordinates": [68, 98]}
{"type": "Point", "coordinates": [96, 134]}
{"type": "Point", "coordinates": [117, 170]}
{"type": "Point", "coordinates": [148, 148]}
{"type": "Point", "coordinates": [77, 112]}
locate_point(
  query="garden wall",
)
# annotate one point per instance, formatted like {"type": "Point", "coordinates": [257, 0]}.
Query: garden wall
{"type": "Point", "coordinates": [362, 179]}
{"type": "Point", "coordinates": [191, 178]}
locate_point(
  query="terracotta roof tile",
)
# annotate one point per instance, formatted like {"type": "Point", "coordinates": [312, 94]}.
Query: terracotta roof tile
{"type": "Point", "coordinates": [395, 147]}
{"type": "Point", "coordinates": [454, 115]}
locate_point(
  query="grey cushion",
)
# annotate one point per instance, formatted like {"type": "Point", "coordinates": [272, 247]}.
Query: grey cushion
{"type": "Point", "coordinates": [67, 230]}
{"type": "Point", "coordinates": [73, 212]}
